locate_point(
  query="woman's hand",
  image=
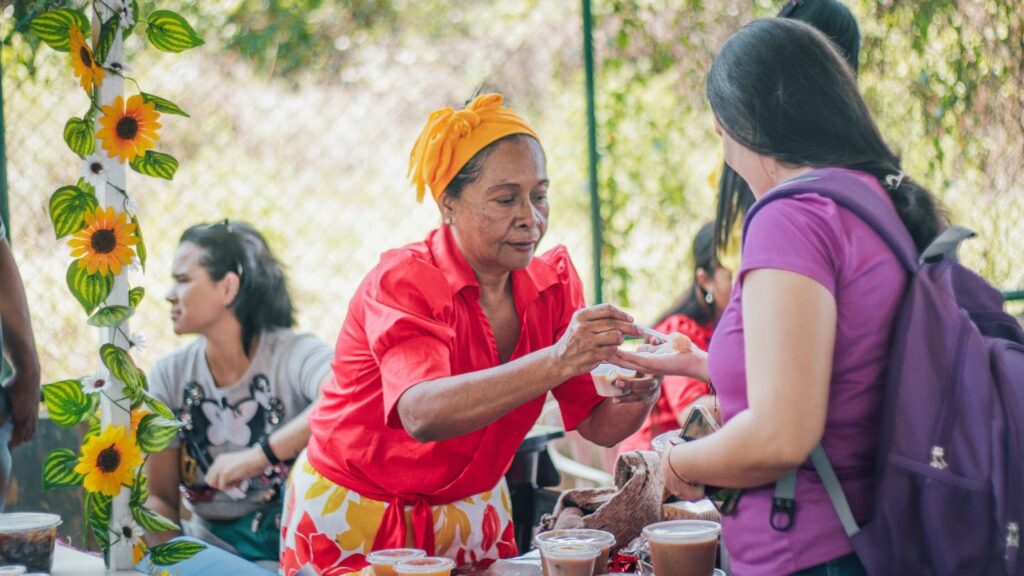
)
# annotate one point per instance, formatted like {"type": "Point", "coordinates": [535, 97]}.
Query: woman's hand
{"type": "Point", "coordinates": [677, 357]}
{"type": "Point", "coordinates": [592, 337]}
{"type": "Point", "coordinates": [643, 388]}
{"type": "Point", "coordinates": [232, 468]}
{"type": "Point", "coordinates": [674, 483]}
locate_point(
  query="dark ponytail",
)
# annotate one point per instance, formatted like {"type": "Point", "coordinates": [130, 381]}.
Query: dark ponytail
{"type": "Point", "coordinates": [781, 89]}
{"type": "Point", "coordinates": [263, 302]}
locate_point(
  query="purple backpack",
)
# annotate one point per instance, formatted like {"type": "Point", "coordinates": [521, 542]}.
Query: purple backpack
{"type": "Point", "coordinates": [950, 478]}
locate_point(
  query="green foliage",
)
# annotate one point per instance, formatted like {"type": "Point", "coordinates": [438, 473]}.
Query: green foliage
{"type": "Point", "coordinates": [79, 136]}
{"type": "Point", "coordinates": [68, 206]}
{"type": "Point", "coordinates": [140, 248]}
{"type": "Point", "coordinates": [173, 552]}
{"type": "Point", "coordinates": [66, 402]}
{"type": "Point", "coordinates": [169, 32]}
{"type": "Point", "coordinates": [110, 316]}
{"type": "Point", "coordinates": [108, 31]}
{"type": "Point", "coordinates": [163, 105]}
{"type": "Point", "coordinates": [156, 432]}
{"type": "Point", "coordinates": [140, 488]}
{"type": "Point", "coordinates": [59, 470]}
{"type": "Point", "coordinates": [152, 522]}
{"type": "Point", "coordinates": [98, 508]}
{"type": "Point", "coordinates": [54, 27]}
{"type": "Point", "coordinates": [157, 406]}
{"type": "Point", "coordinates": [156, 164]}
{"type": "Point", "coordinates": [135, 296]}
{"type": "Point", "coordinates": [123, 368]}
{"type": "Point", "coordinates": [89, 289]}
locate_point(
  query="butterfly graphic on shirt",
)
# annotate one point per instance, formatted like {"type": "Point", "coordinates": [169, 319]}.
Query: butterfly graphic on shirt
{"type": "Point", "coordinates": [221, 425]}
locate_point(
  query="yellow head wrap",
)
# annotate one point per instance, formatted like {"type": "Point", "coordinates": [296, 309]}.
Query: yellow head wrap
{"type": "Point", "coordinates": [451, 138]}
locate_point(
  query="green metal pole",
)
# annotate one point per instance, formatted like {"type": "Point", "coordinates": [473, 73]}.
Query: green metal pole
{"type": "Point", "coordinates": [595, 201]}
{"type": "Point", "coordinates": [1013, 295]}
{"type": "Point", "coordinates": [5, 209]}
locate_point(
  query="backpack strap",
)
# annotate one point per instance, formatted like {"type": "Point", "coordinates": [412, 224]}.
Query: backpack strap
{"type": "Point", "coordinates": [835, 490]}
{"type": "Point", "coordinates": [846, 189]}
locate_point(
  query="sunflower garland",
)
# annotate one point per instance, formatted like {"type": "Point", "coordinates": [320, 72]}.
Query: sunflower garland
{"type": "Point", "coordinates": [105, 244]}
{"type": "Point", "coordinates": [128, 131]}
{"type": "Point", "coordinates": [108, 461]}
{"type": "Point", "coordinates": [87, 70]}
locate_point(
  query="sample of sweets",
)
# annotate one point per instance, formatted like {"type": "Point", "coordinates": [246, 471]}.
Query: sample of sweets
{"type": "Point", "coordinates": [683, 547]}
{"type": "Point", "coordinates": [383, 560]}
{"type": "Point", "coordinates": [429, 566]}
{"type": "Point", "coordinates": [569, 558]}
{"type": "Point", "coordinates": [27, 539]}
{"type": "Point", "coordinates": [602, 539]}
{"type": "Point", "coordinates": [604, 377]}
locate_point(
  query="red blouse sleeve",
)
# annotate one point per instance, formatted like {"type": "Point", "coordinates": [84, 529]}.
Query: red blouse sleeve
{"type": "Point", "coordinates": [405, 315]}
{"type": "Point", "coordinates": [576, 397]}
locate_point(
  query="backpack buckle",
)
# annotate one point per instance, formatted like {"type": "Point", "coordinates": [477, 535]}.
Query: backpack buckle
{"type": "Point", "coordinates": [783, 508]}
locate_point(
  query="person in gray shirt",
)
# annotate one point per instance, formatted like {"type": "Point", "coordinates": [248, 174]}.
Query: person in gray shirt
{"type": "Point", "coordinates": [242, 389]}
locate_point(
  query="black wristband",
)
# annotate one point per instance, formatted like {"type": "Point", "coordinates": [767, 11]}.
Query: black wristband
{"type": "Point", "coordinates": [268, 451]}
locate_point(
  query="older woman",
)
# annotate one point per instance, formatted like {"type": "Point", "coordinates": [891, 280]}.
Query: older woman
{"type": "Point", "coordinates": [444, 361]}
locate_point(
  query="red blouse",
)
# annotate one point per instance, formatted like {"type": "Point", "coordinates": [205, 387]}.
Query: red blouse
{"type": "Point", "coordinates": [417, 317]}
{"type": "Point", "coordinates": [677, 392]}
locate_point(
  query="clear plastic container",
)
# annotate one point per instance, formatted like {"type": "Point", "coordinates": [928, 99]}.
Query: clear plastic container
{"type": "Point", "coordinates": [605, 376]}
{"type": "Point", "coordinates": [383, 560]}
{"type": "Point", "coordinates": [27, 539]}
{"type": "Point", "coordinates": [429, 566]}
{"type": "Point", "coordinates": [602, 539]}
{"type": "Point", "coordinates": [683, 547]}
{"type": "Point", "coordinates": [569, 557]}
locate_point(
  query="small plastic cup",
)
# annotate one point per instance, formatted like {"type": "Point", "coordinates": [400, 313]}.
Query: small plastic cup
{"type": "Point", "coordinates": [604, 541]}
{"type": "Point", "coordinates": [683, 547]}
{"type": "Point", "coordinates": [428, 566]}
{"type": "Point", "coordinates": [665, 440]}
{"type": "Point", "coordinates": [569, 557]}
{"type": "Point", "coordinates": [604, 377]}
{"type": "Point", "coordinates": [27, 539]}
{"type": "Point", "coordinates": [383, 560]}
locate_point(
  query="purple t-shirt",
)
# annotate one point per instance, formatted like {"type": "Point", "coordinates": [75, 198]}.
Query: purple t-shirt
{"type": "Point", "coordinates": [814, 237]}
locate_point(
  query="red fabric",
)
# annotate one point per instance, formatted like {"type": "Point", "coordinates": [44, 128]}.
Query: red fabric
{"type": "Point", "coordinates": [416, 317]}
{"type": "Point", "coordinates": [677, 392]}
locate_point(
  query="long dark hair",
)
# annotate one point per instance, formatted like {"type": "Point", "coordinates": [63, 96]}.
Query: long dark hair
{"type": "Point", "coordinates": [781, 89]}
{"type": "Point", "coordinates": [834, 19]}
{"type": "Point", "coordinates": [692, 302]}
{"type": "Point", "coordinates": [263, 302]}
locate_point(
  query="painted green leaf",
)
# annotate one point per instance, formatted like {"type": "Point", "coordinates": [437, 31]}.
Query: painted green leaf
{"type": "Point", "coordinates": [140, 488]}
{"type": "Point", "coordinates": [54, 27]}
{"type": "Point", "coordinates": [151, 521]}
{"type": "Point", "coordinates": [79, 137]}
{"type": "Point", "coordinates": [98, 512]}
{"type": "Point", "coordinates": [169, 32]}
{"type": "Point", "coordinates": [59, 469]}
{"type": "Point", "coordinates": [158, 407]}
{"type": "Point", "coordinates": [68, 206]}
{"type": "Point", "coordinates": [175, 551]}
{"type": "Point", "coordinates": [85, 186]}
{"type": "Point", "coordinates": [89, 289]}
{"type": "Point", "coordinates": [108, 31]}
{"type": "Point", "coordinates": [155, 164]}
{"type": "Point", "coordinates": [110, 316]}
{"type": "Point", "coordinates": [163, 105]}
{"type": "Point", "coordinates": [156, 432]}
{"type": "Point", "coordinates": [135, 296]}
{"type": "Point", "coordinates": [122, 367]}
{"type": "Point", "coordinates": [140, 248]}
{"type": "Point", "coordinates": [66, 403]}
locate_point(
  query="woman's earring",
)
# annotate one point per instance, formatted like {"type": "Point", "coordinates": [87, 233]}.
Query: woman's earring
{"type": "Point", "coordinates": [709, 298]}
{"type": "Point", "coordinates": [447, 220]}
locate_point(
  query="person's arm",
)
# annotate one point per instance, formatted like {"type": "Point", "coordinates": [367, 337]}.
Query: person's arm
{"type": "Point", "coordinates": [449, 407]}
{"type": "Point", "coordinates": [615, 419]}
{"type": "Point", "coordinates": [19, 343]}
{"type": "Point", "coordinates": [789, 325]}
{"type": "Point", "coordinates": [164, 497]}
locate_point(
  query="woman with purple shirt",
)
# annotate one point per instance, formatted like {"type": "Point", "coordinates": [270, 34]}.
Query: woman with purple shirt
{"type": "Point", "coordinates": [799, 354]}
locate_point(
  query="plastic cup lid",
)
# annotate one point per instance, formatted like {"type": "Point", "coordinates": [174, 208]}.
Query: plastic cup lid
{"type": "Point", "coordinates": [392, 555]}
{"type": "Point", "coordinates": [599, 537]}
{"type": "Point", "coordinates": [571, 549]}
{"type": "Point", "coordinates": [12, 570]}
{"type": "Point", "coordinates": [27, 522]}
{"type": "Point", "coordinates": [428, 564]}
{"type": "Point", "coordinates": [683, 531]}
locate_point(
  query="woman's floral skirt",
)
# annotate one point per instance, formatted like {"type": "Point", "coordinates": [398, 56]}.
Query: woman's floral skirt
{"type": "Point", "coordinates": [333, 528]}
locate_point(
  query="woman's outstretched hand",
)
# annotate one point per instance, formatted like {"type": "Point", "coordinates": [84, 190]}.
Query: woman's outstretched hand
{"type": "Point", "coordinates": [592, 337]}
{"type": "Point", "coordinates": [677, 357]}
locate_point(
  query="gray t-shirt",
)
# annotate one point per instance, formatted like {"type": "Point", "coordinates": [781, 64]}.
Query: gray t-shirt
{"type": "Point", "coordinates": [282, 380]}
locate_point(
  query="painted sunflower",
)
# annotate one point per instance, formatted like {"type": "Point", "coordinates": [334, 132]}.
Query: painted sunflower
{"type": "Point", "coordinates": [87, 70]}
{"type": "Point", "coordinates": [128, 131]}
{"type": "Point", "coordinates": [105, 244]}
{"type": "Point", "coordinates": [108, 461]}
